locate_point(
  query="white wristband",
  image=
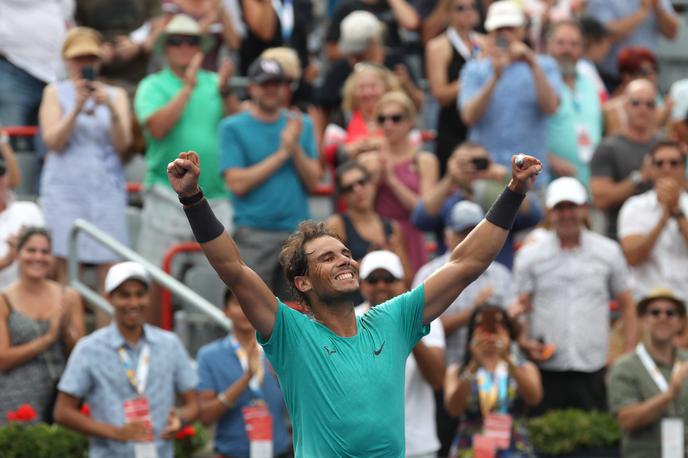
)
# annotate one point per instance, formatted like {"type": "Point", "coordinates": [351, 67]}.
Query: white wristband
{"type": "Point", "coordinates": [223, 399]}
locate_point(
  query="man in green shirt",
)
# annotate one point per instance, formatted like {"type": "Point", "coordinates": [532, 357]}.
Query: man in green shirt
{"type": "Point", "coordinates": [648, 387]}
{"type": "Point", "coordinates": [343, 376]}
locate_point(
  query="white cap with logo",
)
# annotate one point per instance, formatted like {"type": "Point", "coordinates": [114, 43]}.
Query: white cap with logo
{"type": "Point", "coordinates": [504, 13]}
{"type": "Point", "coordinates": [123, 271]}
{"type": "Point", "coordinates": [565, 189]}
{"type": "Point", "coordinates": [381, 259]}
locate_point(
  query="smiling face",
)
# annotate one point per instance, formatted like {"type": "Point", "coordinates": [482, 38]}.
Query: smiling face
{"type": "Point", "coordinates": [129, 300]}
{"type": "Point", "coordinates": [380, 286]}
{"type": "Point", "coordinates": [668, 162]}
{"type": "Point", "coordinates": [34, 257]}
{"type": "Point", "coordinates": [332, 274]}
{"type": "Point", "coordinates": [394, 121]}
{"type": "Point", "coordinates": [567, 219]}
{"type": "Point", "coordinates": [180, 49]}
{"type": "Point", "coordinates": [661, 321]}
{"type": "Point", "coordinates": [370, 87]}
{"type": "Point", "coordinates": [357, 189]}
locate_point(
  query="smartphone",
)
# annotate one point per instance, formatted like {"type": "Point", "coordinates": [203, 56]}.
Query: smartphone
{"type": "Point", "coordinates": [480, 163]}
{"type": "Point", "coordinates": [488, 321]}
{"type": "Point", "coordinates": [501, 42]}
{"type": "Point", "coordinates": [88, 73]}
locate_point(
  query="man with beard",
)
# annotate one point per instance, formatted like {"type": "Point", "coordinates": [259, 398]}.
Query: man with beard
{"type": "Point", "coordinates": [576, 128]}
{"type": "Point", "coordinates": [342, 375]}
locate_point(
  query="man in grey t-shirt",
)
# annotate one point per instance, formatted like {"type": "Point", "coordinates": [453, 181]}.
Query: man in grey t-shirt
{"type": "Point", "coordinates": [618, 168]}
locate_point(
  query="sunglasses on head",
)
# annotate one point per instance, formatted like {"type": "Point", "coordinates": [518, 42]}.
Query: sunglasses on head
{"type": "Point", "coordinates": [672, 162]}
{"type": "Point", "coordinates": [648, 103]}
{"type": "Point", "coordinates": [462, 8]}
{"type": "Point", "coordinates": [657, 312]}
{"type": "Point", "coordinates": [351, 186]}
{"type": "Point", "coordinates": [178, 40]}
{"type": "Point", "coordinates": [395, 118]}
{"type": "Point", "coordinates": [386, 278]}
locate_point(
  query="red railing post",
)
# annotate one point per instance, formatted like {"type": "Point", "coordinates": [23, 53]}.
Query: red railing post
{"type": "Point", "coordinates": [166, 319]}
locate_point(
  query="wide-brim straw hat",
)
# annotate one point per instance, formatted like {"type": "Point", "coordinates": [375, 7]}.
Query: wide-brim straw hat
{"type": "Point", "coordinates": [182, 24]}
{"type": "Point", "coordinates": [82, 41]}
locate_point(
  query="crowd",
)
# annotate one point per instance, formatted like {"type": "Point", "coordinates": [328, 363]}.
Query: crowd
{"type": "Point", "coordinates": [413, 110]}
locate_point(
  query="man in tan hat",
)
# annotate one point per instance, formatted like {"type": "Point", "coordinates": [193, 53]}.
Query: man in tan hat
{"type": "Point", "coordinates": [180, 107]}
{"type": "Point", "coordinates": [647, 388]}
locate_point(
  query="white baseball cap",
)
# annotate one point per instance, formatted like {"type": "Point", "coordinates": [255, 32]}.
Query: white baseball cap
{"type": "Point", "coordinates": [381, 259]}
{"type": "Point", "coordinates": [565, 189]}
{"type": "Point", "coordinates": [123, 271]}
{"type": "Point", "coordinates": [504, 13]}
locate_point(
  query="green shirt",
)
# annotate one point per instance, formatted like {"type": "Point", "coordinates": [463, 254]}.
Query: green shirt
{"type": "Point", "coordinates": [195, 130]}
{"type": "Point", "coordinates": [345, 395]}
{"type": "Point", "coordinates": [630, 384]}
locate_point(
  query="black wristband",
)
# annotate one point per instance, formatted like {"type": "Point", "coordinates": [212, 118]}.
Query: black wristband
{"type": "Point", "coordinates": [504, 210]}
{"type": "Point", "coordinates": [204, 224]}
{"type": "Point", "coordinates": [191, 200]}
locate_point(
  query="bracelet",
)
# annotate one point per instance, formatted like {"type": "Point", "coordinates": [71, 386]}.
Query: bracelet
{"type": "Point", "coordinates": [503, 211]}
{"type": "Point", "coordinates": [193, 199]}
{"type": "Point", "coordinates": [204, 224]}
{"type": "Point", "coordinates": [223, 399]}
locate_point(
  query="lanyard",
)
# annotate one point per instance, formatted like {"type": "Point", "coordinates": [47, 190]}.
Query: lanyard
{"type": "Point", "coordinates": [257, 380]}
{"type": "Point", "coordinates": [651, 368]}
{"type": "Point", "coordinates": [136, 379]}
{"type": "Point", "coordinates": [460, 46]}
{"type": "Point", "coordinates": [285, 13]}
{"type": "Point", "coordinates": [493, 389]}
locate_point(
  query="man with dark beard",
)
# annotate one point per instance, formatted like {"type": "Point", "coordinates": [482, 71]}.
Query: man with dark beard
{"type": "Point", "coordinates": [342, 375]}
{"type": "Point", "coordinates": [576, 128]}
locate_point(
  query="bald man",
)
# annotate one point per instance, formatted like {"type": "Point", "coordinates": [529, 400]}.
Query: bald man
{"type": "Point", "coordinates": [618, 169]}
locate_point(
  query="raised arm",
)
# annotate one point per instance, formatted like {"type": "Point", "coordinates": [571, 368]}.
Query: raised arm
{"type": "Point", "coordinates": [256, 299]}
{"type": "Point", "coordinates": [472, 256]}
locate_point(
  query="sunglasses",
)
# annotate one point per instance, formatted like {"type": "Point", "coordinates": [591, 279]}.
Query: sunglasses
{"type": "Point", "coordinates": [648, 103]}
{"type": "Point", "coordinates": [672, 162]}
{"type": "Point", "coordinates": [395, 118]}
{"type": "Point", "coordinates": [374, 279]}
{"type": "Point", "coordinates": [351, 186]}
{"type": "Point", "coordinates": [178, 40]}
{"type": "Point", "coordinates": [462, 8]}
{"type": "Point", "coordinates": [657, 312]}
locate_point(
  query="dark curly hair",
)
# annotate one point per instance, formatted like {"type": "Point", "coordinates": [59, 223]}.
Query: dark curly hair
{"type": "Point", "coordinates": [28, 232]}
{"type": "Point", "coordinates": [293, 258]}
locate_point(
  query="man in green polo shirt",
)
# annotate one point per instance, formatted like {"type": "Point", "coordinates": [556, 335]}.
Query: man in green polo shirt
{"type": "Point", "coordinates": [647, 388]}
{"type": "Point", "coordinates": [180, 107]}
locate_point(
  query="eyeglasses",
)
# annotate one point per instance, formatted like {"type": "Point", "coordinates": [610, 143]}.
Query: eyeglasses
{"type": "Point", "coordinates": [395, 118]}
{"type": "Point", "coordinates": [462, 8]}
{"type": "Point", "coordinates": [351, 186]}
{"type": "Point", "coordinates": [178, 40]}
{"type": "Point", "coordinates": [374, 279]}
{"type": "Point", "coordinates": [671, 162]}
{"type": "Point", "coordinates": [648, 103]}
{"type": "Point", "coordinates": [657, 312]}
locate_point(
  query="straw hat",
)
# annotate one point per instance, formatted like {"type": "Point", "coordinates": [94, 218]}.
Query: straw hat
{"type": "Point", "coordinates": [82, 41]}
{"type": "Point", "coordinates": [182, 24]}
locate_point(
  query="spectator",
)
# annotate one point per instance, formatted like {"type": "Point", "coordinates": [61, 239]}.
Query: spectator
{"type": "Point", "coordinates": [490, 355]}
{"type": "Point", "coordinates": [14, 214]}
{"type": "Point", "coordinates": [403, 174]}
{"type": "Point", "coordinates": [511, 79]}
{"type": "Point", "coordinates": [566, 277]}
{"type": "Point", "coordinates": [179, 107]}
{"type": "Point", "coordinates": [40, 322]}
{"type": "Point", "coordinates": [618, 169]}
{"type": "Point", "coordinates": [470, 168]}
{"type": "Point", "coordinates": [634, 63]}
{"type": "Point", "coordinates": [269, 162]}
{"type": "Point", "coordinates": [494, 286]}
{"type": "Point", "coordinates": [393, 15]}
{"type": "Point", "coordinates": [543, 14]}
{"type": "Point", "coordinates": [679, 111]}
{"type": "Point", "coordinates": [596, 44]}
{"type": "Point", "coordinates": [383, 279]}
{"type": "Point", "coordinates": [214, 22]}
{"type": "Point", "coordinates": [29, 60]}
{"type": "Point", "coordinates": [445, 56]}
{"type": "Point", "coordinates": [298, 87]}
{"type": "Point", "coordinates": [653, 229]}
{"type": "Point", "coordinates": [128, 39]}
{"type": "Point", "coordinates": [360, 227]}
{"type": "Point", "coordinates": [633, 23]}
{"type": "Point", "coordinates": [647, 388]}
{"type": "Point", "coordinates": [86, 125]}
{"type": "Point", "coordinates": [233, 377]}
{"type": "Point", "coordinates": [576, 128]}
{"type": "Point", "coordinates": [129, 374]}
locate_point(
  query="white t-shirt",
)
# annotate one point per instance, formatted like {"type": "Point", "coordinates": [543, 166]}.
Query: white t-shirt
{"type": "Point", "coordinates": [36, 53]}
{"type": "Point", "coordinates": [667, 264]}
{"type": "Point", "coordinates": [16, 216]}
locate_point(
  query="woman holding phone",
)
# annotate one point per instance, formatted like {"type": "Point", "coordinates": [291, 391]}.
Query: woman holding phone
{"type": "Point", "coordinates": [493, 382]}
{"type": "Point", "coordinates": [86, 126]}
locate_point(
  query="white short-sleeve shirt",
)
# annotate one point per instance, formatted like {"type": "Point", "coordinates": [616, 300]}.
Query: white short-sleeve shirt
{"type": "Point", "coordinates": [16, 216]}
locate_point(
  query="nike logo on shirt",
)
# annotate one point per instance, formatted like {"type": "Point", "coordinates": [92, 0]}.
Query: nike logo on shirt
{"type": "Point", "coordinates": [379, 350]}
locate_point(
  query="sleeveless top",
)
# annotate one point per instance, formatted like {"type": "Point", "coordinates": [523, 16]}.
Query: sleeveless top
{"type": "Point", "coordinates": [358, 245]}
{"type": "Point", "coordinates": [43, 372]}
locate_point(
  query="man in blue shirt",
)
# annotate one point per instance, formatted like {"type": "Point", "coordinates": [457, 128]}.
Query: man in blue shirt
{"type": "Point", "coordinates": [125, 364]}
{"type": "Point", "coordinates": [269, 162]}
{"type": "Point", "coordinates": [506, 97]}
{"type": "Point", "coordinates": [343, 376]}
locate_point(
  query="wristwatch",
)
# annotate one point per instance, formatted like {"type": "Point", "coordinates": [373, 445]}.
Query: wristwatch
{"type": "Point", "coordinates": [636, 178]}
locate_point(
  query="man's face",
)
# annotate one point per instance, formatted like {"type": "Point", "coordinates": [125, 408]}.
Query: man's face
{"type": "Point", "coordinates": [640, 105]}
{"type": "Point", "coordinates": [566, 47]}
{"type": "Point", "coordinates": [180, 49]}
{"type": "Point", "coordinates": [509, 34]}
{"type": "Point", "coordinates": [357, 190]}
{"type": "Point", "coordinates": [269, 96]}
{"type": "Point", "coordinates": [129, 300]}
{"type": "Point", "coordinates": [668, 162]}
{"type": "Point", "coordinates": [661, 320]}
{"type": "Point", "coordinates": [567, 219]}
{"type": "Point", "coordinates": [332, 272]}
{"type": "Point", "coordinates": [380, 286]}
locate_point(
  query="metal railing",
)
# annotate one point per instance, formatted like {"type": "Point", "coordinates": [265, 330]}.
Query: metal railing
{"type": "Point", "coordinates": [168, 282]}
